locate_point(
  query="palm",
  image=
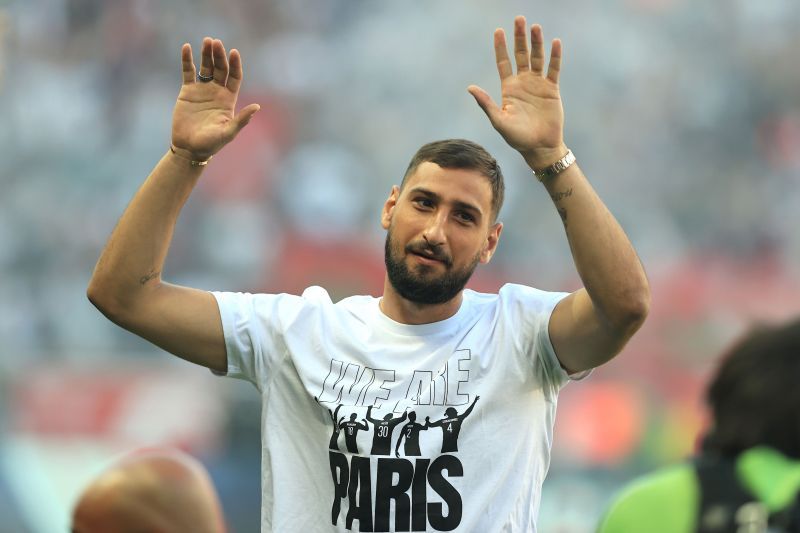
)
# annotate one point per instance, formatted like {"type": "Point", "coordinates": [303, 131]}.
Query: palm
{"type": "Point", "coordinates": [530, 117]}
{"type": "Point", "coordinates": [203, 120]}
{"type": "Point", "coordinates": [531, 113]}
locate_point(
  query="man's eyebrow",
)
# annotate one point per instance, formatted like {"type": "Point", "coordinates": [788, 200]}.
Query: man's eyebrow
{"type": "Point", "coordinates": [456, 203]}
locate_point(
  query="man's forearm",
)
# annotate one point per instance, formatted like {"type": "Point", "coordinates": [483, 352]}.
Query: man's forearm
{"type": "Point", "coordinates": [132, 260]}
{"type": "Point", "coordinates": [604, 256]}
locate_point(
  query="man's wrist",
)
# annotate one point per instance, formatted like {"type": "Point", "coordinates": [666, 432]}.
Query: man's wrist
{"type": "Point", "coordinates": [551, 171]}
{"type": "Point", "coordinates": [544, 157]}
{"type": "Point", "coordinates": [189, 157]}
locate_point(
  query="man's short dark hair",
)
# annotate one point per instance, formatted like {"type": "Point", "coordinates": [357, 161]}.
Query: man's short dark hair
{"type": "Point", "coordinates": [462, 154]}
{"type": "Point", "coordinates": [755, 394]}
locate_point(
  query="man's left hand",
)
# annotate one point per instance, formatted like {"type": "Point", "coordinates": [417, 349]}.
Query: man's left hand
{"type": "Point", "coordinates": [531, 117]}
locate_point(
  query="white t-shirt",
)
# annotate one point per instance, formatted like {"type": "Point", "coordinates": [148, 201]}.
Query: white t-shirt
{"type": "Point", "coordinates": [459, 434]}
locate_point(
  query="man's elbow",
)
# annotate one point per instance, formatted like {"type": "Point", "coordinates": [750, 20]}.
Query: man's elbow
{"type": "Point", "coordinates": [633, 312]}
{"type": "Point", "coordinates": [110, 302]}
{"type": "Point", "coordinates": [102, 299]}
{"type": "Point", "coordinates": [95, 293]}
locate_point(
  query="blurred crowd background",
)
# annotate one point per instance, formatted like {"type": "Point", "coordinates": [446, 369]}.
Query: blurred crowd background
{"type": "Point", "coordinates": [684, 115]}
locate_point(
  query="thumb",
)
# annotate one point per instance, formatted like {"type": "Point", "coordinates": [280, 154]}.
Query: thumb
{"type": "Point", "coordinates": [485, 101]}
{"type": "Point", "coordinates": [243, 118]}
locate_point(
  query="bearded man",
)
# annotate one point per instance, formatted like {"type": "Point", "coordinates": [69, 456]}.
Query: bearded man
{"type": "Point", "coordinates": [427, 344]}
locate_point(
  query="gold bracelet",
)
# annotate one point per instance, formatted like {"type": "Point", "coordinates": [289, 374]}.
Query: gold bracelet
{"type": "Point", "coordinates": [193, 162]}
{"type": "Point", "coordinates": [556, 168]}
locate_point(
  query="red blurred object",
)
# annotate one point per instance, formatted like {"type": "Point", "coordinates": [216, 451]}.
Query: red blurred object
{"type": "Point", "coordinates": [154, 403]}
{"type": "Point", "coordinates": [600, 422]}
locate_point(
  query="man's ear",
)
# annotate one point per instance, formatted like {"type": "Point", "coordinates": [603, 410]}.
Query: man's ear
{"type": "Point", "coordinates": [491, 242]}
{"type": "Point", "coordinates": [388, 207]}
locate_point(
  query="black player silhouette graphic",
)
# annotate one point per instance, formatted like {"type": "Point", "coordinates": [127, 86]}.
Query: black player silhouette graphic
{"type": "Point", "coordinates": [351, 429]}
{"type": "Point", "coordinates": [382, 432]}
{"type": "Point", "coordinates": [334, 443]}
{"type": "Point", "coordinates": [451, 426]}
{"type": "Point", "coordinates": [410, 432]}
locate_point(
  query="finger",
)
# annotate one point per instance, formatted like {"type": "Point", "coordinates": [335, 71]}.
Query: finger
{"type": "Point", "coordinates": [501, 54]}
{"type": "Point", "coordinates": [521, 45]}
{"type": "Point", "coordinates": [187, 64]}
{"type": "Point", "coordinates": [554, 68]}
{"type": "Point", "coordinates": [243, 118]}
{"type": "Point", "coordinates": [220, 62]}
{"type": "Point", "coordinates": [235, 72]}
{"type": "Point", "coordinates": [206, 61]}
{"type": "Point", "coordinates": [537, 49]}
{"type": "Point", "coordinates": [485, 101]}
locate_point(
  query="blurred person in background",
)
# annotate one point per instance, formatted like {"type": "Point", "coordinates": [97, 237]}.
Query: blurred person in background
{"type": "Point", "coordinates": [163, 490]}
{"type": "Point", "coordinates": [427, 344]}
{"type": "Point", "coordinates": [746, 477]}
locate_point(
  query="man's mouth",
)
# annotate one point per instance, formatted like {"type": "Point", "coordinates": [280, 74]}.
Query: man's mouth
{"type": "Point", "coordinates": [429, 256]}
{"type": "Point", "coordinates": [426, 257]}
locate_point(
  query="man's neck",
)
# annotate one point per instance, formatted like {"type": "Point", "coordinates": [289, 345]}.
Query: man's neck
{"type": "Point", "coordinates": [405, 311]}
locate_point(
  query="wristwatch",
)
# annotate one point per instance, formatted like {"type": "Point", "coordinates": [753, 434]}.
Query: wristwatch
{"type": "Point", "coordinates": [556, 168]}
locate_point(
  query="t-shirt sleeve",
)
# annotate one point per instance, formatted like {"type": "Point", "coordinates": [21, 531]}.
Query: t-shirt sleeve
{"type": "Point", "coordinates": [254, 326]}
{"type": "Point", "coordinates": [531, 310]}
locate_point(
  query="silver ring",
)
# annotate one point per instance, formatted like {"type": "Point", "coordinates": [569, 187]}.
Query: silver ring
{"type": "Point", "coordinates": [204, 79]}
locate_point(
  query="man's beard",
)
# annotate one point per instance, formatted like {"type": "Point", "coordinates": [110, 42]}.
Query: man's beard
{"type": "Point", "coordinates": [420, 289]}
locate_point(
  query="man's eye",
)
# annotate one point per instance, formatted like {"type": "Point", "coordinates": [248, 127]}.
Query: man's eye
{"type": "Point", "coordinates": [424, 202]}
{"type": "Point", "coordinates": [465, 217]}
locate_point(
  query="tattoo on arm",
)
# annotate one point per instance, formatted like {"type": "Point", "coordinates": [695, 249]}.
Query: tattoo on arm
{"type": "Point", "coordinates": [153, 274]}
{"type": "Point", "coordinates": [560, 195]}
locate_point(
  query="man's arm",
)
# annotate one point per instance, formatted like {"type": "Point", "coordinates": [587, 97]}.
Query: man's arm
{"type": "Point", "coordinates": [591, 325]}
{"type": "Point", "coordinates": [429, 424]}
{"type": "Point", "coordinates": [470, 408]}
{"type": "Point", "coordinates": [398, 420]}
{"type": "Point", "coordinates": [126, 285]}
{"type": "Point", "coordinates": [397, 446]}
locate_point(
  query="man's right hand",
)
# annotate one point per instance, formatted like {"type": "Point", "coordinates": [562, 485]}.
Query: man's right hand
{"type": "Point", "coordinates": [126, 285]}
{"type": "Point", "coordinates": [203, 120]}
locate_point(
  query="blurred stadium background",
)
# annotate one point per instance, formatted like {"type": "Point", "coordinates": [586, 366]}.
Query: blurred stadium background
{"type": "Point", "coordinates": [685, 116]}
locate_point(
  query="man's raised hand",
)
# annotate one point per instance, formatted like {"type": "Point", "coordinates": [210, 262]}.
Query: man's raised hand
{"type": "Point", "coordinates": [530, 117]}
{"type": "Point", "coordinates": [203, 120]}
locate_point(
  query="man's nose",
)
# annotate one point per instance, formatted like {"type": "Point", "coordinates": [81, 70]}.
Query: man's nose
{"type": "Point", "coordinates": [434, 233]}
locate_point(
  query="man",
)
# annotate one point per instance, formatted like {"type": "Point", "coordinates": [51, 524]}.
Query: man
{"type": "Point", "coordinates": [747, 476]}
{"type": "Point", "coordinates": [383, 428]}
{"type": "Point", "coordinates": [425, 345]}
{"type": "Point", "coordinates": [410, 432]}
{"type": "Point", "coordinates": [334, 443]}
{"type": "Point", "coordinates": [351, 429]}
{"type": "Point", "coordinates": [451, 426]}
{"type": "Point", "coordinates": [150, 490]}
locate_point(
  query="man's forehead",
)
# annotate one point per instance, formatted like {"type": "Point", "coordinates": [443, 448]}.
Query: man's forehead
{"type": "Point", "coordinates": [464, 185]}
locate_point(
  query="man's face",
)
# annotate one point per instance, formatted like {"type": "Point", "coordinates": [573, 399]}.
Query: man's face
{"type": "Point", "coordinates": [439, 227]}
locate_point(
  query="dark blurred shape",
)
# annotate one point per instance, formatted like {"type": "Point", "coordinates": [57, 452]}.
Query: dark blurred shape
{"type": "Point", "coordinates": [747, 476]}
{"type": "Point", "coordinates": [754, 397]}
